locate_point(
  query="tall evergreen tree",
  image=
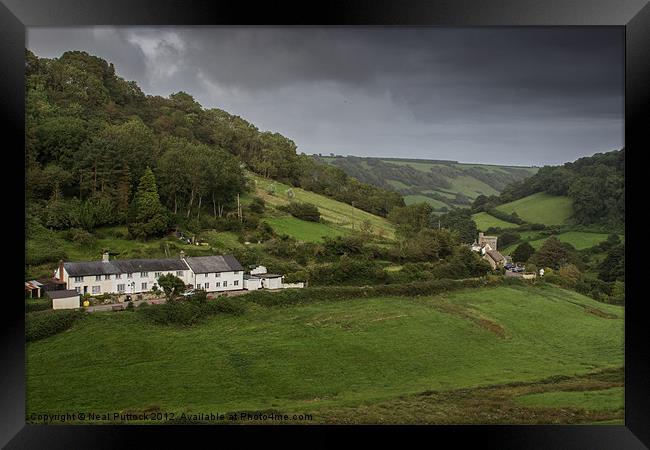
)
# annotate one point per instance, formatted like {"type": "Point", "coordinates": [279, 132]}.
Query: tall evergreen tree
{"type": "Point", "coordinates": [148, 216]}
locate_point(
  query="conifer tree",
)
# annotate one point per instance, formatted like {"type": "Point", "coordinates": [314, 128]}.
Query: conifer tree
{"type": "Point", "coordinates": [148, 217]}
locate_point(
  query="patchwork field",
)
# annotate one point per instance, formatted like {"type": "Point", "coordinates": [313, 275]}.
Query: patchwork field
{"type": "Point", "coordinates": [422, 180]}
{"type": "Point", "coordinates": [426, 360]}
{"type": "Point", "coordinates": [541, 208]}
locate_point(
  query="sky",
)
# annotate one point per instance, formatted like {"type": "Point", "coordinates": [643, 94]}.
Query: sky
{"type": "Point", "coordinates": [517, 96]}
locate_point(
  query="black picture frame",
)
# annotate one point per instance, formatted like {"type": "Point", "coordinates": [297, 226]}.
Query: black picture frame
{"type": "Point", "coordinates": [633, 15]}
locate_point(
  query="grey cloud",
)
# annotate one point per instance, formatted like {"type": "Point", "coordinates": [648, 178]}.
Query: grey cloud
{"type": "Point", "coordinates": [504, 95]}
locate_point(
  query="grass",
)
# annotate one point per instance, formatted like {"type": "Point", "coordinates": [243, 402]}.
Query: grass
{"type": "Point", "coordinates": [484, 221]}
{"type": "Point", "coordinates": [601, 399]}
{"type": "Point", "coordinates": [410, 199]}
{"type": "Point", "coordinates": [327, 356]}
{"type": "Point", "coordinates": [303, 230]}
{"type": "Point", "coordinates": [338, 213]}
{"type": "Point", "coordinates": [541, 208]}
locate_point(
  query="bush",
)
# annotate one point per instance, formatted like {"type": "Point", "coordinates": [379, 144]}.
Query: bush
{"type": "Point", "coordinates": [37, 304]}
{"type": "Point", "coordinates": [304, 211]}
{"type": "Point", "coordinates": [80, 236]}
{"type": "Point", "coordinates": [42, 324]}
{"type": "Point", "coordinates": [172, 313]}
{"type": "Point", "coordinates": [191, 310]}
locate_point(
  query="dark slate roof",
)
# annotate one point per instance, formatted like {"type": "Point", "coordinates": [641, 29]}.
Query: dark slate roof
{"type": "Point", "coordinates": [84, 268]}
{"type": "Point", "coordinates": [149, 265]}
{"type": "Point", "coordinates": [64, 293]}
{"type": "Point", "coordinates": [495, 255]}
{"type": "Point", "coordinates": [250, 277]}
{"type": "Point", "coordinates": [216, 263]}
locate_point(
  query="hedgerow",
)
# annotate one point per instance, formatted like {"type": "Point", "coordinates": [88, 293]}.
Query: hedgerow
{"type": "Point", "coordinates": [42, 324]}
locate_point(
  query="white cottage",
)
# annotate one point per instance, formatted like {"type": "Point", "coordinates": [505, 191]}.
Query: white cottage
{"type": "Point", "coordinates": [131, 276]}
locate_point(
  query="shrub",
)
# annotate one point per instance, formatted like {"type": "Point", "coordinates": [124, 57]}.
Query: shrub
{"type": "Point", "coordinates": [38, 304]}
{"type": "Point", "coordinates": [304, 211]}
{"type": "Point", "coordinates": [80, 236]}
{"type": "Point", "coordinates": [42, 324]}
{"type": "Point", "coordinates": [172, 313]}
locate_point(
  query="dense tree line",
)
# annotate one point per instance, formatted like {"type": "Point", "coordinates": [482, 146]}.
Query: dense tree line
{"type": "Point", "coordinates": [596, 184]}
{"type": "Point", "coordinates": [91, 135]}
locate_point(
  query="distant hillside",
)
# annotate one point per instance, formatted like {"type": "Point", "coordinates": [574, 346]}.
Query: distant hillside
{"type": "Point", "coordinates": [443, 184]}
{"type": "Point", "coordinates": [589, 191]}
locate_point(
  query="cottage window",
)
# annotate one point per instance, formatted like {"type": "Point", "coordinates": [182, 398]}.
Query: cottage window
{"type": "Point", "coordinates": [198, 285]}
{"type": "Point", "coordinates": [78, 279]}
{"type": "Point", "coordinates": [225, 283]}
{"type": "Point", "coordinates": [98, 278]}
{"type": "Point", "coordinates": [120, 288]}
{"type": "Point", "coordinates": [107, 277]}
{"type": "Point", "coordinates": [97, 289]}
{"type": "Point", "coordinates": [129, 275]}
{"type": "Point", "coordinates": [236, 283]}
{"type": "Point", "coordinates": [179, 273]}
{"type": "Point", "coordinates": [207, 286]}
{"type": "Point", "coordinates": [217, 274]}
{"type": "Point", "coordinates": [78, 289]}
{"type": "Point", "coordinates": [207, 275]}
{"type": "Point", "coordinates": [218, 284]}
{"type": "Point", "coordinates": [118, 276]}
{"type": "Point", "coordinates": [144, 286]}
{"type": "Point", "coordinates": [144, 274]}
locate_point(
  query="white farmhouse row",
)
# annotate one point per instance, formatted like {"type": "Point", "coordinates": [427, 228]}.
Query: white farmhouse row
{"type": "Point", "coordinates": [131, 276]}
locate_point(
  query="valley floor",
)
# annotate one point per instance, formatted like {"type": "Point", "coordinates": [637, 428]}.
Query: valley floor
{"type": "Point", "coordinates": [489, 355]}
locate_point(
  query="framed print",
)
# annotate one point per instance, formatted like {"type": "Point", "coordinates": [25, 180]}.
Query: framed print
{"type": "Point", "coordinates": [362, 218]}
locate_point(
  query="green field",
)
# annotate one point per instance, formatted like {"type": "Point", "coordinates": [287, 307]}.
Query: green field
{"type": "Point", "coordinates": [612, 398]}
{"type": "Point", "coordinates": [484, 221]}
{"type": "Point", "coordinates": [303, 230]}
{"type": "Point", "coordinates": [331, 358]}
{"type": "Point", "coordinates": [541, 208]}
{"type": "Point", "coordinates": [410, 199]}
{"type": "Point", "coordinates": [337, 213]}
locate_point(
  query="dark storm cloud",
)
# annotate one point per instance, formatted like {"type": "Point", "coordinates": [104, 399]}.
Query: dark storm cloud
{"type": "Point", "coordinates": [502, 95]}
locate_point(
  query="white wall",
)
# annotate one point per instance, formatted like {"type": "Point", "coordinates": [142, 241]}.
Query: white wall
{"type": "Point", "coordinates": [272, 283]}
{"type": "Point", "coordinates": [110, 285]}
{"type": "Point", "coordinates": [66, 303]}
{"type": "Point", "coordinates": [200, 279]}
{"type": "Point", "coordinates": [252, 284]}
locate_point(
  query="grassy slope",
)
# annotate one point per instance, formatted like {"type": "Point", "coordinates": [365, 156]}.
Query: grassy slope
{"type": "Point", "coordinates": [541, 208]}
{"type": "Point", "coordinates": [484, 221]}
{"type": "Point", "coordinates": [323, 355]}
{"type": "Point", "coordinates": [339, 217]}
{"type": "Point", "coordinates": [612, 398]}
{"type": "Point", "coordinates": [410, 199]}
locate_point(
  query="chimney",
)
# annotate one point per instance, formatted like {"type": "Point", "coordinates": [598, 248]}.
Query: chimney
{"type": "Point", "coordinates": [105, 257]}
{"type": "Point", "coordinates": [61, 270]}
{"type": "Point", "coordinates": [182, 254]}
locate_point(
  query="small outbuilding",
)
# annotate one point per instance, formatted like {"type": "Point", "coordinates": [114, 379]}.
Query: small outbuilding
{"type": "Point", "coordinates": [33, 289]}
{"type": "Point", "coordinates": [65, 299]}
{"type": "Point", "coordinates": [252, 283]}
{"type": "Point", "coordinates": [271, 280]}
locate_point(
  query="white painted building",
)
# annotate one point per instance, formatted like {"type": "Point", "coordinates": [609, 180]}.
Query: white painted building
{"type": "Point", "coordinates": [132, 276]}
{"type": "Point", "coordinates": [65, 299]}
